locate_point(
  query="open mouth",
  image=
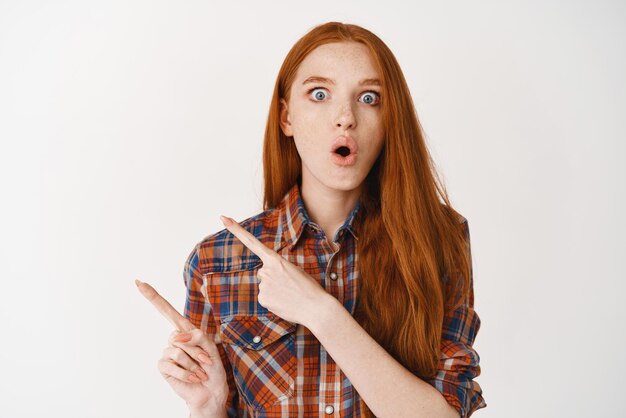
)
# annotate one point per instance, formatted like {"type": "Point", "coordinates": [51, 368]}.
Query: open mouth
{"type": "Point", "coordinates": [343, 151]}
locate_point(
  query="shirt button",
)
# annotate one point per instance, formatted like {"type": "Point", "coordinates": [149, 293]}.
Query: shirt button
{"type": "Point", "coordinates": [329, 409]}
{"type": "Point", "coordinates": [333, 275]}
{"type": "Point", "coordinates": [256, 339]}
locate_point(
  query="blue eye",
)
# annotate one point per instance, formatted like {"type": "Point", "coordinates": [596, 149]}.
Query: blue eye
{"type": "Point", "coordinates": [320, 95]}
{"type": "Point", "coordinates": [371, 97]}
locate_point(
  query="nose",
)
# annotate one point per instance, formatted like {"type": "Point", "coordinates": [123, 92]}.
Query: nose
{"type": "Point", "coordinates": [345, 117]}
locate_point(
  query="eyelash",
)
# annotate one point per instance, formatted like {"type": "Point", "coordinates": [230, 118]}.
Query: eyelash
{"type": "Point", "coordinates": [367, 91]}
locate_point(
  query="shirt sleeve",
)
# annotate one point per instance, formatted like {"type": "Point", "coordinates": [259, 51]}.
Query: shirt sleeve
{"type": "Point", "coordinates": [459, 362]}
{"type": "Point", "coordinates": [199, 311]}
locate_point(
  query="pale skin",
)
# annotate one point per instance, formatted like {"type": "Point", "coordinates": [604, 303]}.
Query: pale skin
{"type": "Point", "coordinates": [191, 363]}
{"type": "Point", "coordinates": [343, 103]}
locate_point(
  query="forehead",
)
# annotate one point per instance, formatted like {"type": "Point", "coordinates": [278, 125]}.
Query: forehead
{"type": "Point", "coordinates": [338, 60]}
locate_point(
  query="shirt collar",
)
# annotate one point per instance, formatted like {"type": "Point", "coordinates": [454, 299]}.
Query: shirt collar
{"type": "Point", "coordinates": [293, 217]}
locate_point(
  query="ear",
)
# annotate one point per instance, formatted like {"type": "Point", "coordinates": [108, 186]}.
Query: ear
{"type": "Point", "coordinates": [285, 124]}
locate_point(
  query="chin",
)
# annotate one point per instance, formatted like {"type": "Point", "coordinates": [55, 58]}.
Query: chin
{"type": "Point", "coordinates": [345, 185]}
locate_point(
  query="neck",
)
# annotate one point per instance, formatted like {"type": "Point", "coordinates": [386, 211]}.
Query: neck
{"type": "Point", "coordinates": [329, 208]}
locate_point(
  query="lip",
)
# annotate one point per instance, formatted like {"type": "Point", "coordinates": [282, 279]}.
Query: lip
{"type": "Point", "coordinates": [343, 161]}
{"type": "Point", "coordinates": [344, 141]}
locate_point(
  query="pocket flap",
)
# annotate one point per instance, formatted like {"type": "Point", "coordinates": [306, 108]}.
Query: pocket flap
{"type": "Point", "coordinates": [254, 332]}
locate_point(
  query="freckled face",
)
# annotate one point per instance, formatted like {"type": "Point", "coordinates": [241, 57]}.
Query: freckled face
{"type": "Point", "coordinates": [328, 98]}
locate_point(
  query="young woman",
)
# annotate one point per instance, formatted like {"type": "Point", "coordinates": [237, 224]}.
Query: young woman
{"type": "Point", "coordinates": [351, 294]}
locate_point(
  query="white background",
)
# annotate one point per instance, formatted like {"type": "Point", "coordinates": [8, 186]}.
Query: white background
{"type": "Point", "coordinates": [128, 127]}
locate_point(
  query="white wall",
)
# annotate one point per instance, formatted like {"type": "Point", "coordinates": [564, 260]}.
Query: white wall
{"type": "Point", "coordinates": [127, 128]}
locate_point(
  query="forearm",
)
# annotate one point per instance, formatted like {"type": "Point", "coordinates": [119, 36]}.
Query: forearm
{"type": "Point", "coordinates": [203, 414]}
{"type": "Point", "coordinates": [388, 389]}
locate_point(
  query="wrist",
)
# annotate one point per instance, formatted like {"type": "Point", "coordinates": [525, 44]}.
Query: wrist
{"type": "Point", "coordinates": [195, 412]}
{"type": "Point", "coordinates": [326, 310]}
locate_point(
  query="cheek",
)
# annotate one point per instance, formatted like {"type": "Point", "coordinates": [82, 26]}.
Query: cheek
{"type": "Point", "coordinates": [372, 118]}
{"type": "Point", "coordinates": [305, 118]}
{"type": "Point", "coordinates": [307, 134]}
{"type": "Point", "coordinates": [373, 131]}
{"type": "Point", "coordinates": [305, 146]}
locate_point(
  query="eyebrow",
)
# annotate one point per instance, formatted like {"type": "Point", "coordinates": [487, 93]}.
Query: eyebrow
{"type": "Point", "coordinates": [319, 79]}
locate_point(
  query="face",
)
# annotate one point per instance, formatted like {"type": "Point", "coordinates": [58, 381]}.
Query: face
{"type": "Point", "coordinates": [335, 95]}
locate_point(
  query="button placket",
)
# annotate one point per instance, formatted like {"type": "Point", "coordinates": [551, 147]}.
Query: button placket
{"type": "Point", "coordinates": [333, 275]}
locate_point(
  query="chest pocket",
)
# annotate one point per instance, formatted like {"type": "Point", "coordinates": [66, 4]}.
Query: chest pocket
{"type": "Point", "coordinates": [261, 350]}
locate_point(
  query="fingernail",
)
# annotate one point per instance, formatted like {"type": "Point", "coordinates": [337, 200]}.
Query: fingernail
{"type": "Point", "coordinates": [225, 220]}
{"type": "Point", "coordinates": [194, 378]}
{"type": "Point", "coordinates": [202, 375]}
{"type": "Point", "coordinates": [137, 282]}
{"type": "Point", "coordinates": [182, 338]}
{"type": "Point", "coordinates": [204, 358]}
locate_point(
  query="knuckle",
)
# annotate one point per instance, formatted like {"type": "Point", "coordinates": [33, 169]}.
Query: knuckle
{"type": "Point", "coordinates": [203, 341]}
{"type": "Point", "coordinates": [209, 343]}
{"type": "Point", "coordinates": [178, 355]}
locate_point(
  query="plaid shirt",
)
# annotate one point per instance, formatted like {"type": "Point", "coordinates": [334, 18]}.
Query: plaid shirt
{"type": "Point", "coordinates": [276, 368]}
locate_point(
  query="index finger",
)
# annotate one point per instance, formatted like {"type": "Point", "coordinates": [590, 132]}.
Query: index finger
{"type": "Point", "coordinates": [249, 240]}
{"type": "Point", "coordinates": [163, 306]}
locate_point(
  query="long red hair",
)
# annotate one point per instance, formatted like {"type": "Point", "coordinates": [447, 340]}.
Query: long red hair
{"type": "Point", "coordinates": [424, 270]}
